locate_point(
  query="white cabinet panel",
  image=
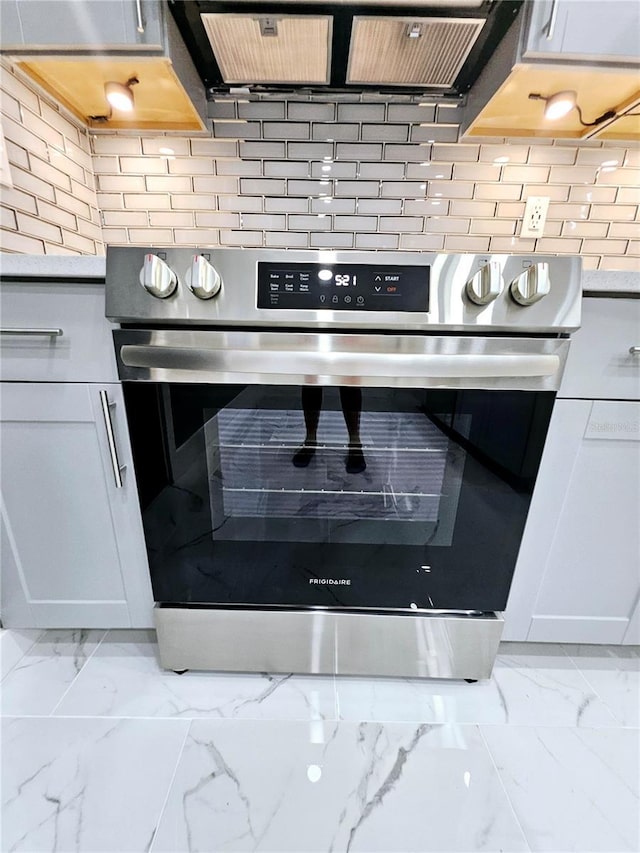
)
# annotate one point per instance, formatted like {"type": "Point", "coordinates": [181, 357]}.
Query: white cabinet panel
{"type": "Point", "coordinates": [73, 552]}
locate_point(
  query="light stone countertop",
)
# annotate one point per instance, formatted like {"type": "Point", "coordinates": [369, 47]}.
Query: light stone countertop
{"type": "Point", "coordinates": [606, 281]}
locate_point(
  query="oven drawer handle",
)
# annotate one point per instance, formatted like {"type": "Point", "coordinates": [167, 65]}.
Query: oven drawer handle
{"type": "Point", "coordinates": [111, 439]}
{"type": "Point", "coordinates": [339, 363]}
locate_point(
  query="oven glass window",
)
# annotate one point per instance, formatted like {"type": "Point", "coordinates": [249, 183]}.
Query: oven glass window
{"type": "Point", "coordinates": [353, 497]}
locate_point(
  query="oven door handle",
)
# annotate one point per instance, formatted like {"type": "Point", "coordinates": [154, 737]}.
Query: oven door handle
{"type": "Point", "coordinates": [339, 364]}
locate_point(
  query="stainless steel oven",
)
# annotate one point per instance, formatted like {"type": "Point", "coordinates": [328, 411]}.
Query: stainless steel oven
{"type": "Point", "coordinates": [336, 452]}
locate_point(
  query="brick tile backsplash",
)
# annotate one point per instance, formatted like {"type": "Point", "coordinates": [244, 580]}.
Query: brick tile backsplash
{"type": "Point", "coordinates": [293, 174]}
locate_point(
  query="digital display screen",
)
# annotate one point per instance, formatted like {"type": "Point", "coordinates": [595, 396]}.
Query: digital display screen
{"type": "Point", "coordinates": [343, 287]}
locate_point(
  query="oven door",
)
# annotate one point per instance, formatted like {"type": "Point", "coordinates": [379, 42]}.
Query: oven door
{"type": "Point", "coordinates": [363, 471]}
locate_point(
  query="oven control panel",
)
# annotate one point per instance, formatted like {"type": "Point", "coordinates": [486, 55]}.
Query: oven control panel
{"type": "Point", "coordinates": [343, 287]}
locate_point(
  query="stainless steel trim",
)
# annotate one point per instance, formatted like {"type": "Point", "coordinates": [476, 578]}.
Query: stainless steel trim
{"type": "Point", "coordinates": [274, 358]}
{"type": "Point", "coordinates": [113, 450]}
{"type": "Point", "coordinates": [634, 350]}
{"type": "Point", "coordinates": [140, 22]}
{"type": "Point", "coordinates": [328, 642]}
{"type": "Point", "coordinates": [551, 24]}
{"type": "Point", "coordinates": [52, 333]}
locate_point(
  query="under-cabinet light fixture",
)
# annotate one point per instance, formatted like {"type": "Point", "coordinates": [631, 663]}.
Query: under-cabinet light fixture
{"type": "Point", "coordinates": [560, 104]}
{"type": "Point", "coordinates": [120, 95]}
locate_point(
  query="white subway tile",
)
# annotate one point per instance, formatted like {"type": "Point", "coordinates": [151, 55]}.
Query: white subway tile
{"type": "Point", "coordinates": [170, 219]}
{"type": "Point", "coordinates": [552, 228]}
{"type": "Point", "coordinates": [16, 87]}
{"type": "Point", "coordinates": [195, 236]}
{"type": "Point", "coordinates": [601, 247]}
{"type": "Point", "coordinates": [286, 205]}
{"type": "Point", "coordinates": [525, 174]}
{"type": "Point", "coordinates": [435, 133]}
{"type": "Point", "coordinates": [381, 171]}
{"type": "Point", "coordinates": [358, 151]}
{"type": "Point", "coordinates": [8, 219]}
{"type": "Point", "coordinates": [627, 231]}
{"type": "Point", "coordinates": [402, 224]}
{"type": "Point", "coordinates": [109, 201]}
{"type": "Point", "coordinates": [625, 177]}
{"type": "Point", "coordinates": [411, 113]}
{"type": "Point", "coordinates": [559, 246]}
{"type": "Point", "coordinates": [167, 146]}
{"type": "Point", "coordinates": [455, 153]}
{"type": "Point", "coordinates": [241, 238]}
{"type": "Point", "coordinates": [19, 135]}
{"type": "Point", "coordinates": [115, 236]}
{"type": "Point", "coordinates": [310, 223]}
{"type": "Point", "coordinates": [557, 193]}
{"type": "Point", "coordinates": [222, 109]}
{"type": "Point", "coordinates": [308, 150]}
{"type": "Point", "coordinates": [466, 244]}
{"type": "Point", "coordinates": [17, 156]}
{"type": "Point", "coordinates": [403, 189]}
{"type": "Point", "coordinates": [446, 225]}
{"type": "Point", "coordinates": [472, 208]}
{"type": "Point", "coordinates": [239, 168]}
{"type": "Point", "coordinates": [601, 156]}
{"type": "Point", "coordinates": [568, 211]}
{"type": "Point", "coordinates": [36, 227]}
{"type": "Point", "coordinates": [479, 172]}
{"type": "Point", "coordinates": [217, 220]}
{"type": "Point", "coordinates": [286, 240]}
{"type": "Point", "coordinates": [308, 188]}
{"type": "Point", "coordinates": [151, 236]}
{"type": "Point", "coordinates": [10, 107]}
{"type": "Point", "coordinates": [150, 201]}
{"type": "Point", "coordinates": [527, 140]}
{"type": "Point", "coordinates": [41, 179]}
{"type": "Point", "coordinates": [336, 132]}
{"type": "Point", "coordinates": [512, 245]}
{"type": "Point", "coordinates": [216, 148]}
{"type": "Point", "coordinates": [331, 241]}
{"type": "Point", "coordinates": [115, 145]}
{"type": "Point", "coordinates": [613, 212]}
{"type": "Point", "coordinates": [361, 112]}
{"type": "Point", "coordinates": [236, 129]}
{"type": "Point", "coordinates": [219, 184]}
{"type": "Point", "coordinates": [385, 132]}
{"type": "Point", "coordinates": [44, 131]}
{"type": "Point", "coordinates": [86, 194]}
{"type": "Point", "coordinates": [73, 204]}
{"type": "Point", "coordinates": [53, 118]}
{"type": "Point", "coordinates": [241, 204]}
{"type": "Point", "coordinates": [502, 154]}
{"type": "Point", "coordinates": [612, 263]}
{"type": "Point", "coordinates": [125, 218]}
{"type": "Point", "coordinates": [355, 223]}
{"type": "Point", "coordinates": [331, 169]}
{"type": "Point", "coordinates": [452, 189]}
{"type": "Point", "coordinates": [583, 229]}
{"type": "Point", "coordinates": [66, 165]}
{"type": "Point", "coordinates": [173, 184]}
{"type": "Point", "coordinates": [429, 171]}
{"type": "Point", "coordinates": [632, 157]}
{"type": "Point", "coordinates": [407, 153]}
{"type": "Point", "coordinates": [54, 249]}
{"type": "Point", "coordinates": [572, 175]}
{"type": "Point", "coordinates": [389, 206]}
{"type": "Point", "coordinates": [626, 195]}
{"type": "Point", "coordinates": [359, 189]}
{"type": "Point", "coordinates": [551, 155]}
{"type": "Point", "coordinates": [499, 227]}
{"type": "Point", "coordinates": [590, 262]}
{"type": "Point", "coordinates": [286, 130]}
{"type": "Point", "coordinates": [17, 200]}
{"type": "Point", "coordinates": [311, 112]}
{"type": "Point", "coordinates": [510, 209]}
{"type": "Point", "coordinates": [422, 242]}
{"type": "Point", "coordinates": [377, 241]}
{"type": "Point", "coordinates": [121, 183]}
{"type": "Point", "coordinates": [426, 207]}
{"type": "Point", "coordinates": [261, 110]}
{"type": "Point", "coordinates": [633, 248]}
{"type": "Point", "coordinates": [106, 165]}
{"type": "Point", "coordinates": [266, 186]}
{"type": "Point", "coordinates": [333, 205]}
{"type": "Point", "coordinates": [498, 192]}
{"type": "Point", "coordinates": [183, 202]}
{"type": "Point", "coordinates": [14, 241]}
{"type": "Point", "coordinates": [78, 155]}
{"type": "Point", "coordinates": [181, 166]}
{"type": "Point", "coordinates": [286, 168]}
{"type": "Point", "coordinates": [598, 195]}
{"type": "Point", "coordinates": [266, 221]}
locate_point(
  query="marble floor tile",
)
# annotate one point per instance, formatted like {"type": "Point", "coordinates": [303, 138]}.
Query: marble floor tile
{"type": "Point", "coordinates": [124, 678]}
{"type": "Point", "coordinates": [14, 643]}
{"type": "Point", "coordinates": [530, 685]}
{"type": "Point", "coordinates": [276, 786]}
{"type": "Point", "coordinates": [85, 785]}
{"type": "Point", "coordinates": [42, 676]}
{"type": "Point", "coordinates": [572, 789]}
{"type": "Point", "coordinates": [614, 673]}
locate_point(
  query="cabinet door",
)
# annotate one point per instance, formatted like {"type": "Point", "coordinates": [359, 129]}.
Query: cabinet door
{"type": "Point", "coordinates": [73, 553]}
{"type": "Point", "coordinates": [582, 537]}
{"type": "Point", "coordinates": [568, 30]}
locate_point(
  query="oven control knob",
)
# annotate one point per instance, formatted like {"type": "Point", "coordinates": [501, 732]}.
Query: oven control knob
{"type": "Point", "coordinates": [157, 277]}
{"type": "Point", "coordinates": [203, 278]}
{"type": "Point", "coordinates": [531, 285]}
{"type": "Point", "coordinates": [485, 285]}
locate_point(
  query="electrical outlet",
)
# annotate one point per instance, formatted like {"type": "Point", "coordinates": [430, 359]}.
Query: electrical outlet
{"type": "Point", "coordinates": [535, 215]}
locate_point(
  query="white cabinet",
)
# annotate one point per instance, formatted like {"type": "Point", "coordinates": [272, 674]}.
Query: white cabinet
{"type": "Point", "coordinates": [605, 31]}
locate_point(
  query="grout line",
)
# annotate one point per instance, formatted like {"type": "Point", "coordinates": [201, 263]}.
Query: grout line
{"type": "Point", "coordinates": [169, 788]}
{"type": "Point", "coordinates": [75, 678]}
{"type": "Point", "coordinates": [25, 653]}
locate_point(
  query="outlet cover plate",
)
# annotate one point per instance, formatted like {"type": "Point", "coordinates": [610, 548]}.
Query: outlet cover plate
{"type": "Point", "coordinates": [535, 216]}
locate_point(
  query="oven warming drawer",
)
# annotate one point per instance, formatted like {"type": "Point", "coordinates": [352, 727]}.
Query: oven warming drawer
{"type": "Point", "coordinates": [326, 642]}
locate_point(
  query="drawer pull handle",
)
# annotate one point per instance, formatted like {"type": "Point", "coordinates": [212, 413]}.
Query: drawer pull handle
{"type": "Point", "coordinates": [634, 350]}
{"type": "Point", "coordinates": [111, 440]}
{"type": "Point", "coordinates": [51, 333]}
{"type": "Point", "coordinates": [139, 21]}
{"type": "Point", "coordinates": [551, 24]}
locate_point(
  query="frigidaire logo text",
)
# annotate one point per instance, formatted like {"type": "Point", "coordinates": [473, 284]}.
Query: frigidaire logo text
{"type": "Point", "coordinates": [331, 581]}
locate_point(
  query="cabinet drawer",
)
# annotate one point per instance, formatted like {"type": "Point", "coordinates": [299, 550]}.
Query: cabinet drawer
{"type": "Point", "coordinates": [82, 353]}
{"type": "Point", "coordinates": [600, 365]}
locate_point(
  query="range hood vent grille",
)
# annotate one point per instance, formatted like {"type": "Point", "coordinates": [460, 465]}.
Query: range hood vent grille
{"type": "Point", "coordinates": [298, 52]}
{"type": "Point", "coordinates": [383, 51]}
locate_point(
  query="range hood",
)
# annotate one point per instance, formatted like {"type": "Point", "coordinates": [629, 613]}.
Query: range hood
{"type": "Point", "coordinates": [438, 47]}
